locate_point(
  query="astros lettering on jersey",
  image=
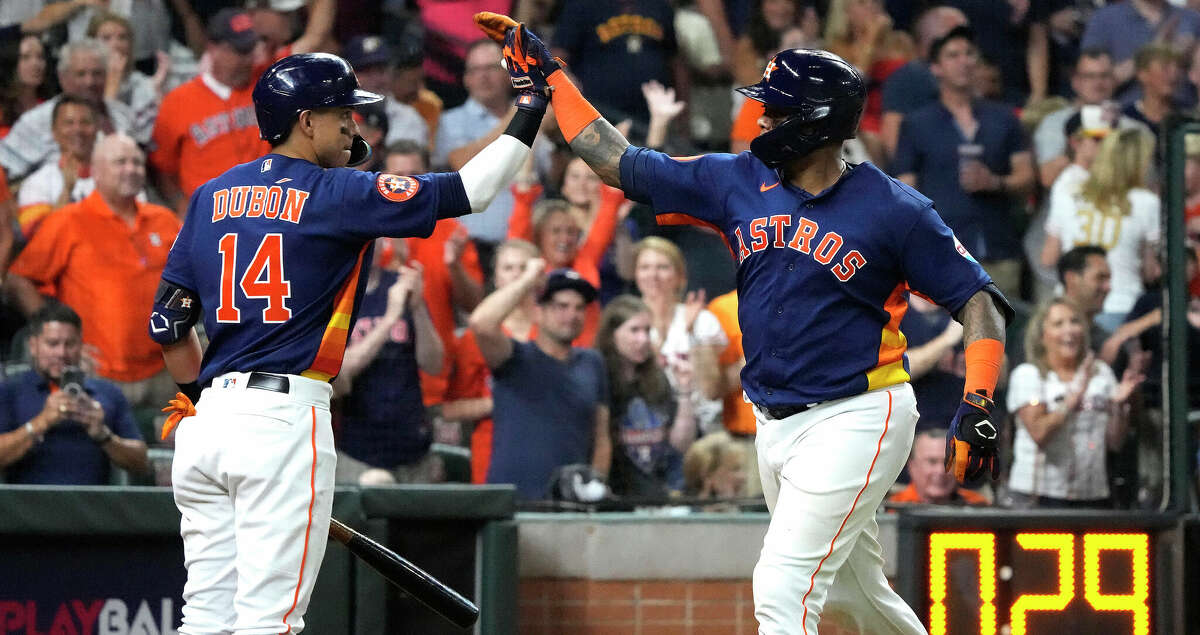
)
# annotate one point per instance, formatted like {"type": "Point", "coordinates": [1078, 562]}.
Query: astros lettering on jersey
{"type": "Point", "coordinates": [835, 266]}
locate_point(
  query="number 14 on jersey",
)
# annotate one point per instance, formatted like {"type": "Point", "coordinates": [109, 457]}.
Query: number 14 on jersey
{"type": "Point", "coordinates": [262, 279]}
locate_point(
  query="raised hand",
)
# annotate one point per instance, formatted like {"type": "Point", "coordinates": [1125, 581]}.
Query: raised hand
{"type": "Point", "coordinates": [660, 100]}
{"type": "Point", "coordinates": [693, 303]}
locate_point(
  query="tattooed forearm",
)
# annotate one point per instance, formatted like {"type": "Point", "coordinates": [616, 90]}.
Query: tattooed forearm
{"type": "Point", "coordinates": [600, 145]}
{"type": "Point", "coordinates": [981, 319]}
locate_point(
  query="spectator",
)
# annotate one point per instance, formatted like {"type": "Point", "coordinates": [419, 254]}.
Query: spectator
{"type": "Point", "coordinates": [68, 180]}
{"type": "Point", "coordinates": [385, 433]}
{"type": "Point", "coordinates": [1156, 69]}
{"type": "Point", "coordinates": [652, 424]}
{"type": "Point", "coordinates": [764, 34]}
{"type": "Point", "coordinates": [1086, 281]}
{"type": "Point", "coordinates": [82, 72]}
{"type": "Point", "coordinates": [207, 125]}
{"type": "Point", "coordinates": [26, 83]}
{"type": "Point", "coordinates": [575, 231]}
{"type": "Point", "coordinates": [408, 87]}
{"type": "Point", "coordinates": [465, 130]}
{"type": "Point", "coordinates": [468, 396]}
{"type": "Point", "coordinates": [453, 276]}
{"type": "Point", "coordinates": [373, 128]}
{"type": "Point", "coordinates": [8, 215]}
{"type": "Point", "coordinates": [530, 439]}
{"type": "Point", "coordinates": [860, 31]}
{"type": "Point", "coordinates": [1123, 28]}
{"type": "Point", "coordinates": [737, 414]}
{"type": "Point", "coordinates": [715, 467]}
{"type": "Point", "coordinates": [681, 331]}
{"type": "Point", "coordinates": [1113, 209]}
{"type": "Point", "coordinates": [374, 65]}
{"type": "Point", "coordinates": [612, 46]}
{"type": "Point", "coordinates": [141, 93]}
{"type": "Point", "coordinates": [969, 155]}
{"type": "Point", "coordinates": [56, 427]}
{"type": "Point", "coordinates": [105, 255]}
{"type": "Point", "coordinates": [1093, 83]}
{"type": "Point", "coordinates": [929, 482]}
{"type": "Point", "coordinates": [1002, 35]}
{"type": "Point", "coordinates": [1085, 131]}
{"type": "Point", "coordinates": [449, 36]}
{"type": "Point", "coordinates": [1068, 406]}
{"type": "Point", "coordinates": [1060, 23]}
{"type": "Point", "coordinates": [912, 86]}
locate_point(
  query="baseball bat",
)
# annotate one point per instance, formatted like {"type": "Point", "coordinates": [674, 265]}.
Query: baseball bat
{"type": "Point", "coordinates": [407, 576]}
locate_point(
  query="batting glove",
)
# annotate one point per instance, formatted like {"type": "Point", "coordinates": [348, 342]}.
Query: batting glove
{"type": "Point", "coordinates": [971, 442]}
{"type": "Point", "coordinates": [528, 60]}
{"type": "Point", "coordinates": [179, 407]}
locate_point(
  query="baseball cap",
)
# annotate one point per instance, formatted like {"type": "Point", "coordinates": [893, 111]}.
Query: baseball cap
{"type": "Point", "coordinates": [960, 31]}
{"type": "Point", "coordinates": [367, 50]}
{"type": "Point", "coordinates": [235, 27]}
{"type": "Point", "coordinates": [561, 279]}
{"type": "Point", "coordinates": [1091, 121]}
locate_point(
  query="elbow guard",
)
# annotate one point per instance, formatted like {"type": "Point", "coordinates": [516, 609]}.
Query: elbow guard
{"type": "Point", "coordinates": [176, 310]}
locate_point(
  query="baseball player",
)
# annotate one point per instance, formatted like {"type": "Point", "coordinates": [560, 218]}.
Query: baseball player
{"type": "Point", "coordinates": [271, 256]}
{"type": "Point", "coordinates": [826, 254]}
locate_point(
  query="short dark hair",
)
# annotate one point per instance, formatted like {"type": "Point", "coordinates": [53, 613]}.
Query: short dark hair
{"type": "Point", "coordinates": [54, 312]}
{"type": "Point", "coordinates": [1075, 260]}
{"type": "Point", "coordinates": [65, 100]}
{"type": "Point", "coordinates": [1091, 53]}
{"type": "Point", "coordinates": [961, 32]}
{"type": "Point", "coordinates": [408, 146]}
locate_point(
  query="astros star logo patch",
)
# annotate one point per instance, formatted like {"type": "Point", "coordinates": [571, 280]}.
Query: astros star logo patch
{"type": "Point", "coordinates": [396, 188]}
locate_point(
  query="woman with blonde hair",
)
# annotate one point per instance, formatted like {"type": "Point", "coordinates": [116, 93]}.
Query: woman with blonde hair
{"type": "Point", "coordinates": [652, 424]}
{"type": "Point", "coordinates": [681, 331]}
{"type": "Point", "coordinates": [1114, 209]}
{"type": "Point", "coordinates": [715, 467]}
{"type": "Point", "coordinates": [1069, 410]}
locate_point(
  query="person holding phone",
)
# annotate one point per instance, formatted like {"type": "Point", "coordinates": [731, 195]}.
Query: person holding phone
{"type": "Point", "coordinates": [57, 426]}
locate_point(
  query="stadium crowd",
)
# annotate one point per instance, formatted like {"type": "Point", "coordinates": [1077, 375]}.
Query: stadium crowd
{"type": "Point", "coordinates": [563, 340]}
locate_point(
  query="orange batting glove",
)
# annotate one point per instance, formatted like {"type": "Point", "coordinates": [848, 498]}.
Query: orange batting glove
{"type": "Point", "coordinates": [971, 441]}
{"type": "Point", "coordinates": [179, 407]}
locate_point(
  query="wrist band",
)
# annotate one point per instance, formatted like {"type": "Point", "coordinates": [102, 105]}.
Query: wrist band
{"type": "Point", "coordinates": [106, 438]}
{"type": "Point", "coordinates": [572, 111]}
{"type": "Point", "coordinates": [524, 125]}
{"type": "Point", "coordinates": [37, 438]}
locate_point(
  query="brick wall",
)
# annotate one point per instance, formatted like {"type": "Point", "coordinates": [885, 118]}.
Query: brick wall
{"type": "Point", "coordinates": [635, 607]}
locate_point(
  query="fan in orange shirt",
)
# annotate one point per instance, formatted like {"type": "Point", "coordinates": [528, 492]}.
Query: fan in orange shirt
{"type": "Point", "coordinates": [557, 227]}
{"type": "Point", "coordinates": [930, 483]}
{"type": "Point", "coordinates": [208, 125]}
{"type": "Point", "coordinates": [737, 414]}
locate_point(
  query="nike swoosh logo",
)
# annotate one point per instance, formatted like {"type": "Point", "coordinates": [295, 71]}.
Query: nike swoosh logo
{"type": "Point", "coordinates": [764, 187]}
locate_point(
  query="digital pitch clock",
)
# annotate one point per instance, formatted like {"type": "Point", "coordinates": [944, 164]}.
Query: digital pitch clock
{"type": "Point", "coordinates": [1029, 572]}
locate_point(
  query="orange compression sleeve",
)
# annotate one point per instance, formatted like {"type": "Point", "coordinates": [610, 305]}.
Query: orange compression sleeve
{"type": "Point", "coordinates": [573, 112]}
{"type": "Point", "coordinates": [983, 359]}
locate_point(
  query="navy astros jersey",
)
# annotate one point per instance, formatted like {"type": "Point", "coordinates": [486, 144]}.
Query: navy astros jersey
{"type": "Point", "coordinates": [822, 280]}
{"type": "Point", "coordinates": [277, 251]}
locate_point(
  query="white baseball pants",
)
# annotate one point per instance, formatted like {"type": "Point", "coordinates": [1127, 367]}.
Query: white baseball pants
{"type": "Point", "coordinates": [253, 479]}
{"type": "Point", "coordinates": [824, 473]}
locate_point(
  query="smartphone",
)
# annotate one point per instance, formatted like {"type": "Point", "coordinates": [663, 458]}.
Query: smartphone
{"type": "Point", "coordinates": [72, 381]}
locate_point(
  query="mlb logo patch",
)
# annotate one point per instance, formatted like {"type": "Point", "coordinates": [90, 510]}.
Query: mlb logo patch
{"type": "Point", "coordinates": [266, 166]}
{"type": "Point", "coordinates": [962, 251]}
{"type": "Point", "coordinates": [396, 188]}
{"type": "Point", "coordinates": [229, 381]}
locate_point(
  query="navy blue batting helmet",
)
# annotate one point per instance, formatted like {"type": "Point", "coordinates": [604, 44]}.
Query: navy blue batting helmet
{"type": "Point", "coordinates": [823, 95]}
{"type": "Point", "coordinates": [307, 81]}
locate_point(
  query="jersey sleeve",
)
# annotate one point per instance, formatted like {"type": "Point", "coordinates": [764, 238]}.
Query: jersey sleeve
{"type": "Point", "coordinates": [1062, 207]}
{"type": "Point", "coordinates": [937, 266]}
{"type": "Point", "coordinates": [378, 204]}
{"type": "Point", "coordinates": [1024, 387]}
{"type": "Point", "coordinates": [677, 185]}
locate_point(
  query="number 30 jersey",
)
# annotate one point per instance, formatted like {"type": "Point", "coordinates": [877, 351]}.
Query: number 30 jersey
{"type": "Point", "coordinates": [822, 280]}
{"type": "Point", "coordinates": [278, 252]}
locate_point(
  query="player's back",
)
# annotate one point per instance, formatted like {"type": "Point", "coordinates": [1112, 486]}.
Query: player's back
{"type": "Point", "coordinates": [277, 250]}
